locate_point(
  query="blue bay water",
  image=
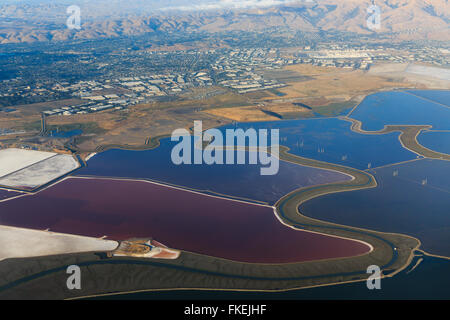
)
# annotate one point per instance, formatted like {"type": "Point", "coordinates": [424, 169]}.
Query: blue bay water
{"type": "Point", "coordinates": [401, 108]}
{"type": "Point", "coordinates": [244, 181]}
{"type": "Point", "coordinates": [440, 96]}
{"type": "Point", "coordinates": [435, 140]}
{"type": "Point", "coordinates": [331, 140]}
{"type": "Point", "coordinates": [65, 134]}
{"type": "Point", "coordinates": [412, 198]}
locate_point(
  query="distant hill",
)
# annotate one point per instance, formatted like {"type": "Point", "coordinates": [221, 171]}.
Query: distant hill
{"type": "Point", "coordinates": [400, 19]}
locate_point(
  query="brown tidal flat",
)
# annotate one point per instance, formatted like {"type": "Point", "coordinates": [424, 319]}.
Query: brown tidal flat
{"type": "Point", "coordinates": [180, 219]}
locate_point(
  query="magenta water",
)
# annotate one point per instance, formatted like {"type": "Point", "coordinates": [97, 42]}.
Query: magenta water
{"type": "Point", "coordinates": [6, 194]}
{"type": "Point", "coordinates": [178, 218]}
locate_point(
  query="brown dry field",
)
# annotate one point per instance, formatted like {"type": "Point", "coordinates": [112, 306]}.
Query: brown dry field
{"type": "Point", "coordinates": [105, 120]}
{"type": "Point", "coordinates": [335, 82]}
{"type": "Point", "coordinates": [142, 122]}
{"type": "Point", "coordinates": [25, 115]}
{"type": "Point", "coordinates": [127, 127]}
{"type": "Point", "coordinates": [11, 121]}
{"type": "Point", "coordinates": [284, 107]}
{"type": "Point", "coordinates": [254, 113]}
{"type": "Point", "coordinates": [242, 114]}
{"type": "Point", "coordinates": [35, 108]}
{"type": "Point", "coordinates": [310, 70]}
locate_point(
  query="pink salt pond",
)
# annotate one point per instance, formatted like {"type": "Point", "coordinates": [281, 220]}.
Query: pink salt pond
{"type": "Point", "coordinates": [180, 219]}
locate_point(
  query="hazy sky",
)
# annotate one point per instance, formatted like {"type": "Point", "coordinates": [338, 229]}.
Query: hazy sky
{"type": "Point", "coordinates": [98, 9]}
{"type": "Point", "coordinates": [161, 4]}
{"type": "Point", "coordinates": [219, 4]}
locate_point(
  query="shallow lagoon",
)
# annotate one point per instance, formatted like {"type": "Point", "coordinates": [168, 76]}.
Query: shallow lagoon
{"type": "Point", "coordinates": [331, 140]}
{"type": "Point", "coordinates": [401, 108]}
{"type": "Point", "coordinates": [325, 139]}
{"type": "Point", "coordinates": [440, 96]}
{"type": "Point", "coordinates": [177, 218]}
{"type": "Point", "coordinates": [411, 198]}
{"type": "Point", "coordinates": [242, 181]}
{"type": "Point", "coordinates": [66, 134]}
{"type": "Point", "coordinates": [435, 140]}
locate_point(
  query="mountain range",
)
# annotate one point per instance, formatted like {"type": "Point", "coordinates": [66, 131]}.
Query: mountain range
{"type": "Point", "coordinates": [400, 19]}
